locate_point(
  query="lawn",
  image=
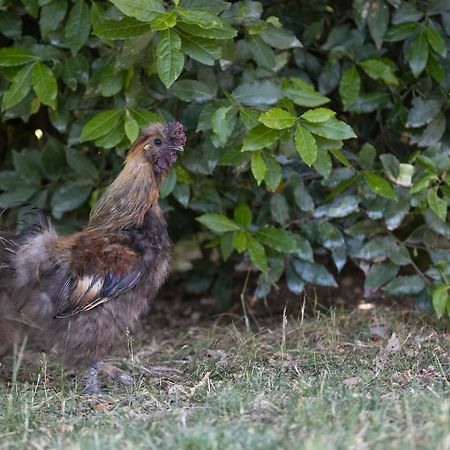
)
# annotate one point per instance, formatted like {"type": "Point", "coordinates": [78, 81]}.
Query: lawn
{"type": "Point", "coordinates": [340, 380]}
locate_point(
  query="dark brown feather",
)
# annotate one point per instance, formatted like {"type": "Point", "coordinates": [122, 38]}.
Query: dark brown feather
{"type": "Point", "coordinates": [85, 290]}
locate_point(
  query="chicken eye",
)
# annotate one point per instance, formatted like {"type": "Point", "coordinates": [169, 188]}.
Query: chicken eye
{"type": "Point", "coordinates": [157, 142]}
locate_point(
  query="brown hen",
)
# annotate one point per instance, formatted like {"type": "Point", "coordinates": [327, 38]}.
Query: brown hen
{"type": "Point", "coordinates": [85, 290]}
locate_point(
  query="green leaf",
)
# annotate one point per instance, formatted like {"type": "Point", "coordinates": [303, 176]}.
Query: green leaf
{"type": "Point", "coordinates": [331, 129]}
{"type": "Point", "coordinates": [279, 208]}
{"type": "Point", "coordinates": [111, 139]}
{"type": "Point", "coordinates": [205, 51]}
{"type": "Point", "coordinates": [377, 20]}
{"type": "Point", "coordinates": [111, 81]}
{"type": "Point", "coordinates": [164, 21]}
{"type": "Point", "coordinates": [259, 137]}
{"type": "Point", "coordinates": [51, 15]}
{"type": "Point", "coordinates": [249, 117]}
{"type": "Point", "coordinates": [314, 273]}
{"type": "Point", "coordinates": [378, 276]}
{"type": "Point", "coordinates": [27, 165]}
{"type": "Point", "coordinates": [437, 205]}
{"type": "Point", "coordinates": [16, 197]}
{"type": "Point", "coordinates": [19, 87]}
{"type": "Point", "coordinates": [400, 32]}
{"type": "Point", "coordinates": [294, 282]}
{"type": "Point", "coordinates": [144, 10]}
{"type": "Point", "coordinates": [243, 215]}
{"type": "Point", "coordinates": [257, 254]}
{"type": "Point", "coordinates": [405, 285]}
{"type": "Point", "coordinates": [68, 197]}
{"type": "Point", "coordinates": [168, 184]}
{"type": "Point", "coordinates": [192, 90]}
{"type": "Point", "coordinates": [436, 41]}
{"type": "Point", "coordinates": [422, 112]}
{"type": "Point", "coordinates": [379, 185]}
{"type": "Point", "coordinates": [81, 164]}
{"type": "Point", "coordinates": [100, 125]}
{"type": "Point", "coordinates": [257, 93]}
{"type": "Point", "coordinates": [218, 223]}
{"type": "Point", "coordinates": [240, 240]}
{"type": "Point", "coordinates": [273, 172]}
{"type": "Point", "coordinates": [302, 197]}
{"type": "Point", "coordinates": [279, 38]}
{"type": "Point", "coordinates": [44, 84]}
{"type": "Point", "coordinates": [399, 255]}
{"type": "Point", "coordinates": [200, 17]}
{"type": "Point", "coordinates": [306, 145]}
{"type": "Point", "coordinates": [380, 69]}
{"type": "Point", "coordinates": [169, 58]}
{"type": "Point", "coordinates": [144, 117]}
{"type": "Point", "coordinates": [376, 249]}
{"type": "Point", "coordinates": [277, 118]}
{"type": "Point", "coordinates": [131, 127]}
{"type": "Point", "coordinates": [350, 86]}
{"type": "Point", "coordinates": [221, 31]}
{"type": "Point", "coordinates": [182, 193]}
{"type": "Point", "coordinates": [262, 53]}
{"type": "Point", "coordinates": [418, 53]}
{"type": "Point", "coordinates": [303, 94]}
{"type": "Point", "coordinates": [223, 123]}
{"type": "Point", "coordinates": [78, 26]}
{"type": "Point", "coordinates": [126, 28]}
{"type": "Point", "coordinates": [440, 299]}
{"type": "Point", "coordinates": [10, 56]}
{"type": "Point", "coordinates": [278, 239]}
{"type": "Point", "coordinates": [318, 115]}
{"type": "Point", "coordinates": [258, 166]}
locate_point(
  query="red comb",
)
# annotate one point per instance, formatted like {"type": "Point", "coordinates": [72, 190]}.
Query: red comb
{"type": "Point", "coordinates": [177, 136]}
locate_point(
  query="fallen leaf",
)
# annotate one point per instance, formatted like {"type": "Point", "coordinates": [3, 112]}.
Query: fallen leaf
{"type": "Point", "coordinates": [102, 406]}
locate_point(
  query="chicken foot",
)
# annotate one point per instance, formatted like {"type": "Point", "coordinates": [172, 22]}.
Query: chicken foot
{"type": "Point", "coordinates": [113, 373]}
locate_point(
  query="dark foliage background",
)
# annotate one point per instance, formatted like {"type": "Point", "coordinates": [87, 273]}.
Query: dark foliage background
{"type": "Point", "coordinates": [271, 176]}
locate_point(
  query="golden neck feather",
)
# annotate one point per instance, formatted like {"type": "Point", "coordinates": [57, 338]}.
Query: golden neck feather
{"type": "Point", "coordinates": [126, 201]}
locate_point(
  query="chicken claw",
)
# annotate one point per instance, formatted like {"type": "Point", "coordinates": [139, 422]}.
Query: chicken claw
{"type": "Point", "coordinates": [111, 371]}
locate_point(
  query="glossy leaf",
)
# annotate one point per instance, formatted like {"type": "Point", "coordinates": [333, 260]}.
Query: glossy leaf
{"type": "Point", "coordinates": [306, 145]}
{"type": "Point", "coordinates": [257, 254]}
{"type": "Point", "coordinates": [440, 299]}
{"type": "Point", "coordinates": [277, 118]}
{"type": "Point", "coordinates": [218, 223]}
{"type": "Point", "coordinates": [258, 167]}
{"type": "Point", "coordinates": [144, 10]}
{"type": "Point", "coordinates": [259, 137]}
{"type": "Point", "coordinates": [379, 185]}
{"type": "Point", "coordinates": [10, 57]}
{"type": "Point", "coordinates": [19, 87]}
{"type": "Point", "coordinates": [44, 84]}
{"type": "Point", "coordinates": [331, 129]}
{"type": "Point", "coordinates": [405, 285]}
{"type": "Point", "coordinates": [126, 28]}
{"type": "Point", "coordinates": [78, 26]}
{"type": "Point", "coordinates": [318, 115]}
{"type": "Point", "coordinates": [314, 273]}
{"type": "Point", "coordinates": [169, 59]}
{"type": "Point", "coordinates": [100, 125]}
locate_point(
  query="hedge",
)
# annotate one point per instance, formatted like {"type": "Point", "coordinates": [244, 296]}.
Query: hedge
{"type": "Point", "coordinates": [317, 133]}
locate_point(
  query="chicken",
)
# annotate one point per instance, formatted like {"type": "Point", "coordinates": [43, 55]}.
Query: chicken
{"type": "Point", "coordinates": [83, 291]}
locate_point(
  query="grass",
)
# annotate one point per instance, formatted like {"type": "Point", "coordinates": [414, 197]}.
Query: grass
{"type": "Point", "coordinates": [326, 382]}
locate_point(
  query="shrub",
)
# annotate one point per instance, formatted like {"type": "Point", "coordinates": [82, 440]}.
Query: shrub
{"type": "Point", "coordinates": [271, 171]}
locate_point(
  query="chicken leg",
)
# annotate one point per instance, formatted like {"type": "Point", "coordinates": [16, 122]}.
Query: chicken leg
{"type": "Point", "coordinates": [112, 372]}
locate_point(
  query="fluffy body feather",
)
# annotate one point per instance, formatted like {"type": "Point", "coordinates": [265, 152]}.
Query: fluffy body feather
{"type": "Point", "coordinates": [84, 290]}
